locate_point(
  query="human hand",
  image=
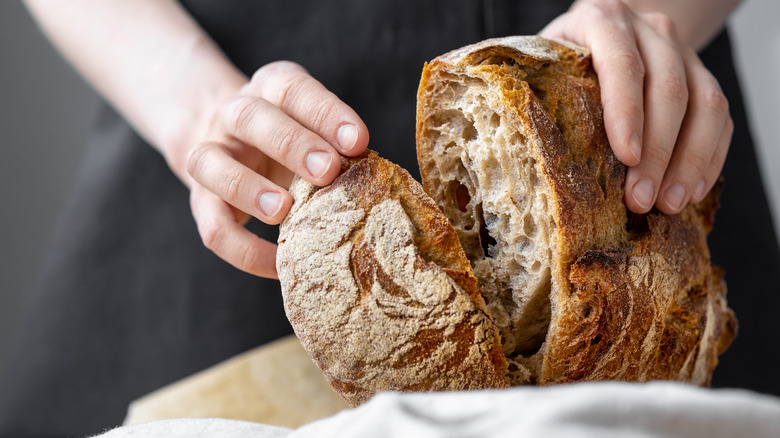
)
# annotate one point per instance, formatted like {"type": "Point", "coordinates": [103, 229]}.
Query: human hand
{"type": "Point", "coordinates": [665, 114]}
{"type": "Point", "coordinates": [282, 122]}
{"type": "Point", "coordinates": [168, 79]}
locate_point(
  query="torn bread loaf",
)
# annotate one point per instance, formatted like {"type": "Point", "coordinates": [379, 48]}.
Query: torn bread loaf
{"type": "Point", "coordinates": [569, 285]}
{"type": "Point", "coordinates": [511, 144]}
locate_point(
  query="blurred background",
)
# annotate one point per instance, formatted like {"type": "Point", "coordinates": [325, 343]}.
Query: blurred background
{"type": "Point", "coordinates": [46, 112]}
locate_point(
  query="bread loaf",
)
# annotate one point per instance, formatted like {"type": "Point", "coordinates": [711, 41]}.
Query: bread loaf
{"type": "Point", "coordinates": [543, 275]}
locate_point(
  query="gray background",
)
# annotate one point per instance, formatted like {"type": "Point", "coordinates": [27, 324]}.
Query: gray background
{"type": "Point", "coordinates": [45, 114]}
{"type": "Point", "coordinates": [46, 111]}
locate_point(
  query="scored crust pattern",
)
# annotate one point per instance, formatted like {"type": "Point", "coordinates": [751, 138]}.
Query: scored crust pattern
{"type": "Point", "coordinates": [378, 290]}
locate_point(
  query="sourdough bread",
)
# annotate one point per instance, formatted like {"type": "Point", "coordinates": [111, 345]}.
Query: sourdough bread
{"type": "Point", "coordinates": [512, 146]}
{"type": "Point", "coordinates": [535, 273]}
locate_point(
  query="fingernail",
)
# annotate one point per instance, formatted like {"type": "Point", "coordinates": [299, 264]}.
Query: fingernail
{"type": "Point", "coordinates": [635, 144]}
{"type": "Point", "coordinates": [699, 193]}
{"type": "Point", "coordinates": [318, 163]}
{"type": "Point", "coordinates": [643, 193]}
{"type": "Point", "coordinates": [675, 196]}
{"type": "Point", "coordinates": [270, 203]}
{"type": "Point", "coordinates": [347, 136]}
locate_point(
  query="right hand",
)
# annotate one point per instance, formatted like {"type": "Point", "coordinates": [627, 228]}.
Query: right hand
{"type": "Point", "coordinates": [665, 114]}
{"type": "Point", "coordinates": [280, 123]}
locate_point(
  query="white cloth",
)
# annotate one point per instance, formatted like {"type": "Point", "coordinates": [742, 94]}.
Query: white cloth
{"type": "Point", "coordinates": [603, 410]}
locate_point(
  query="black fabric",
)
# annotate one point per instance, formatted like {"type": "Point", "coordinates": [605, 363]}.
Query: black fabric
{"type": "Point", "coordinates": [129, 299]}
{"type": "Point", "coordinates": [369, 53]}
{"type": "Point", "coordinates": [744, 243]}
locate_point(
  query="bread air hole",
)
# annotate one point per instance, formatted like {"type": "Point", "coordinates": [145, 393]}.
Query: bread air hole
{"type": "Point", "coordinates": [487, 242]}
{"type": "Point", "coordinates": [486, 182]}
{"type": "Point", "coordinates": [462, 197]}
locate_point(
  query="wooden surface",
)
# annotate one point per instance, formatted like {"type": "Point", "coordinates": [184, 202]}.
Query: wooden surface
{"type": "Point", "coordinates": [274, 384]}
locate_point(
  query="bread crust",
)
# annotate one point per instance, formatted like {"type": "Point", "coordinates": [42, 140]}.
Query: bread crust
{"type": "Point", "coordinates": [378, 289]}
{"type": "Point", "coordinates": [652, 310]}
{"type": "Point", "coordinates": [631, 297]}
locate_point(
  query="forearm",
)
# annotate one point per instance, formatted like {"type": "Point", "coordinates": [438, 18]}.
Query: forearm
{"type": "Point", "coordinates": [149, 59]}
{"type": "Point", "coordinates": [696, 21]}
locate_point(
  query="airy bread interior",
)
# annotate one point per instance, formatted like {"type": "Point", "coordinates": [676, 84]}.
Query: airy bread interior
{"type": "Point", "coordinates": [480, 157]}
{"type": "Point", "coordinates": [512, 146]}
{"type": "Point", "coordinates": [488, 184]}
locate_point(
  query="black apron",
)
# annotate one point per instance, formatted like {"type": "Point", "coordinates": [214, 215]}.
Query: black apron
{"type": "Point", "coordinates": [129, 300]}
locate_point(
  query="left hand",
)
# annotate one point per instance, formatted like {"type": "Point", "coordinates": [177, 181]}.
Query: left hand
{"type": "Point", "coordinates": [665, 115]}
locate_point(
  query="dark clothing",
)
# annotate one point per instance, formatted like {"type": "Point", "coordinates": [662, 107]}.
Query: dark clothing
{"type": "Point", "coordinates": [130, 300]}
{"type": "Point", "coordinates": [744, 243]}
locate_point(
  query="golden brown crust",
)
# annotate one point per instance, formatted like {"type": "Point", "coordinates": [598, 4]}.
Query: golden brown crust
{"type": "Point", "coordinates": [378, 289]}
{"type": "Point", "coordinates": [653, 310]}
{"type": "Point", "coordinates": [632, 297]}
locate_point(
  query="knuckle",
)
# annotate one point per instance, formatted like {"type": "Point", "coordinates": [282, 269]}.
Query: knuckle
{"type": "Point", "coordinates": [673, 87]}
{"type": "Point", "coordinates": [239, 114]}
{"type": "Point", "coordinates": [286, 88]}
{"type": "Point", "coordinates": [268, 76]}
{"type": "Point", "coordinates": [696, 164]}
{"type": "Point", "coordinates": [630, 63]}
{"type": "Point", "coordinates": [322, 113]}
{"type": "Point", "coordinates": [210, 233]}
{"type": "Point", "coordinates": [277, 81]}
{"type": "Point", "coordinates": [637, 68]}
{"type": "Point", "coordinates": [657, 158]}
{"type": "Point", "coordinates": [195, 159]}
{"type": "Point", "coordinates": [729, 127]}
{"type": "Point", "coordinates": [284, 140]}
{"type": "Point", "coordinates": [235, 180]}
{"type": "Point", "coordinates": [250, 258]}
{"type": "Point", "coordinates": [713, 98]}
{"type": "Point", "coordinates": [662, 23]}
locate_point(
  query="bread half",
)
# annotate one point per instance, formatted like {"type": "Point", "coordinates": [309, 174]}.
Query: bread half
{"type": "Point", "coordinates": [378, 289]}
{"type": "Point", "coordinates": [511, 145]}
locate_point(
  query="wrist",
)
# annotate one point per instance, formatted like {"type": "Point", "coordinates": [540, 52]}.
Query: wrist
{"type": "Point", "coordinates": [204, 81]}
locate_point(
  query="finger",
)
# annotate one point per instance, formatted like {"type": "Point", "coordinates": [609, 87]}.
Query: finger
{"type": "Point", "coordinates": [256, 160]}
{"type": "Point", "coordinates": [606, 28]}
{"type": "Point", "coordinates": [228, 239]}
{"type": "Point", "coordinates": [665, 103]}
{"type": "Point", "coordinates": [715, 168]}
{"type": "Point", "coordinates": [699, 139]}
{"type": "Point", "coordinates": [257, 122]}
{"type": "Point", "coordinates": [212, 167]}
{"type": "Point", "coordinates": [290, 87]}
